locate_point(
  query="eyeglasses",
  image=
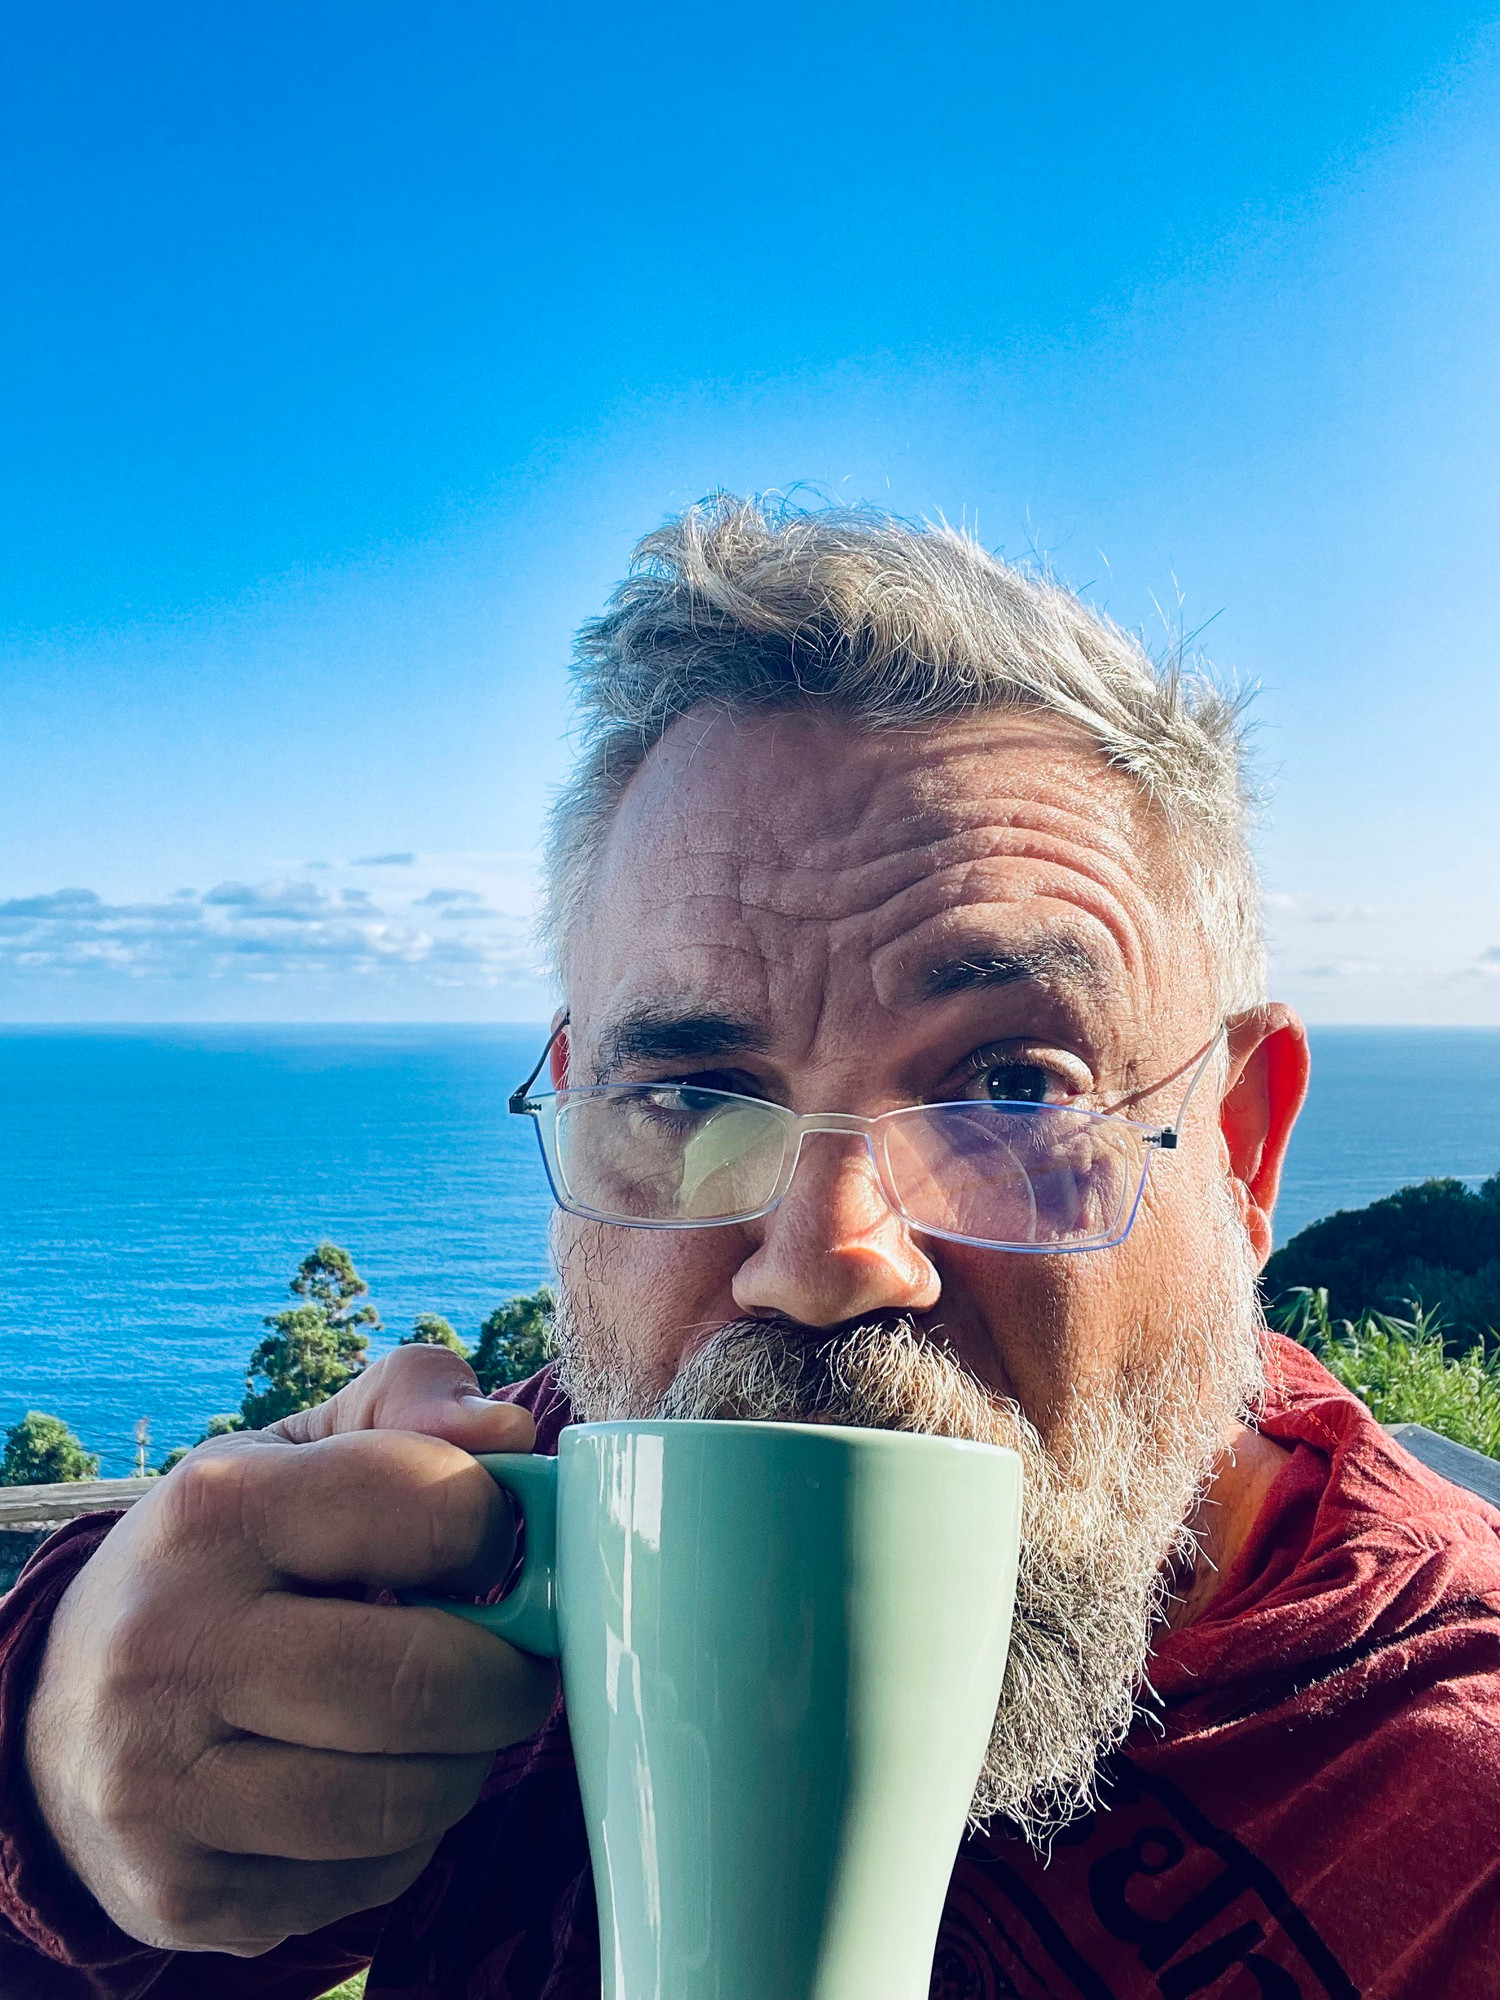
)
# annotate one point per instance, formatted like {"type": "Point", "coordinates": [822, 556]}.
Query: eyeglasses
{"type": "Point", "coordinates": [1002, 1176]}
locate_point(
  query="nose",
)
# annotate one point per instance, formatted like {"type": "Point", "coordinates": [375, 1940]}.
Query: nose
{"type": "Point", "coordinates": [834, 1249]}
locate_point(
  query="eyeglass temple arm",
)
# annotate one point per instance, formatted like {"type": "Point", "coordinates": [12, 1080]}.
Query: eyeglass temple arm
{"type": "Point", "coordinates": [520, 1098]}
{"type": "Point", "coordinates": [1166, 1138]}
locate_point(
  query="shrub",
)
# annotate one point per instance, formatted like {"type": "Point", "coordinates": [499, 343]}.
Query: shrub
{"type": "Point", "coordinates": [516, 1340]}
{"type": "Point", "coordinates": [432, 1330]}
{"type": "Point", "coordinates": [1435, 1242]}
{"type": "Point", "coordinates": [42, 1451]}
{"type": "Point", "coordinates": [1401, 1368]}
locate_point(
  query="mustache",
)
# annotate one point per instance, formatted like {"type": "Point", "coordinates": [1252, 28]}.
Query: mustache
{"type": "Point", "coordinates": [881, 1372]}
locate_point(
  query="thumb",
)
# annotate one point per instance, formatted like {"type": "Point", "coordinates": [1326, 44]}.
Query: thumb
{"type": "Point", "coordinates": [416, 1388]}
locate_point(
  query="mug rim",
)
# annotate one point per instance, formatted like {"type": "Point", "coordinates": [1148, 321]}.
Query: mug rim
{"type": "Point", "coordinates": [866, 1434]}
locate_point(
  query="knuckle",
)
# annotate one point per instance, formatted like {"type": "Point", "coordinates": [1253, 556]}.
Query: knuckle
{"type": "Point", "coordinates": [424, 1358]}
{"type": "Point", "coordinates": [179, 1909]}
{"type": "Point", "coordinates": [177, 1903]}
{"type": "Point", "coordinates": [204, 1496]}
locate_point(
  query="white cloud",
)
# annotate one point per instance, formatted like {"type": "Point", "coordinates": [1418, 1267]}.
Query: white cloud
{"type": "Point", "coordinates": [292, 902]}
{"type": "Point", "coordinates": [263, 931]}
{"type": "Point", "coordinates": [437, 899]}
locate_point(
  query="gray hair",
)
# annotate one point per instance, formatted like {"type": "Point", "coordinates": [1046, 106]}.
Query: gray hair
{"type": "Point", "coordinates": [749, 605]}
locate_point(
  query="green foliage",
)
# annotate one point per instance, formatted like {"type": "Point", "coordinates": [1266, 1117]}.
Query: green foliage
{"type": "Point", "coordinates": [1401, 1367]}
{"type": "Point", "coordinates": [432, 1330]}
{"type": "Point", "coordinates": [312, 1349]}
{"type": "Point", "coordinates": [1435, 1242]}
{"type": "Point", "coordinates": [516, 1340]}
{"type": "Point", "coordinates": [352, 1989]}
{"type": "Point", "coordinates": [42, 1451]}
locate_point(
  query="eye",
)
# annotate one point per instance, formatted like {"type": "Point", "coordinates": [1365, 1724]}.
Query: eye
{"type": "Point", "coordinates": [736, 1081]}
{"type": "Point", "coordinates": [1001, 1076]}
{"type": "Point", "coordinates": [1016, 1083]}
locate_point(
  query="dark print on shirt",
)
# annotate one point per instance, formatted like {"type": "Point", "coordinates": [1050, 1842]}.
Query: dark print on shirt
{"type": "Point", "coordinates": [1188, 1908]}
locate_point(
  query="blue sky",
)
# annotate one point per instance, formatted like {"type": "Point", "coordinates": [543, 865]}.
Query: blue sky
{"type": "Point", "coordinates": [347, 350]}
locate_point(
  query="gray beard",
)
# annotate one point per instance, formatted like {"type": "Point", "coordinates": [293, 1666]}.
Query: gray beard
{"type": "Point", "coordinates": [1104, 1525]}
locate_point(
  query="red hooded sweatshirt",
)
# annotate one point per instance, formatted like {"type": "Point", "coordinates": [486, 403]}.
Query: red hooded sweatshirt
{"type": "Point", "coordinates": [1312, 1808]}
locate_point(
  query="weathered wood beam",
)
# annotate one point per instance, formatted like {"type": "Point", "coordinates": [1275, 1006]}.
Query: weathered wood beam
{"type": "Point", "coordinates": [50, 1506]}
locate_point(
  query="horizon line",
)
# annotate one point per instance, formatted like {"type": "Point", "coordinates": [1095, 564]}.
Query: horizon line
{"type": "Point", "coordinates": [10, 1026]}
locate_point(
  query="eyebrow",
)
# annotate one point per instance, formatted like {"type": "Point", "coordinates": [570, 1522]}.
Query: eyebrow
{"type": "Point", "coordinates": [654, 1035]}
{"type": "Point", "coordinates": [1049, 959]}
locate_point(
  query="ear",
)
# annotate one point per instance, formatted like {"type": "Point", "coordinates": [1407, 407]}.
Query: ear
{"type": "Point", "coordinates": [1268, 1070]}
{"type": "Point", "coordinates": [557, 1061]}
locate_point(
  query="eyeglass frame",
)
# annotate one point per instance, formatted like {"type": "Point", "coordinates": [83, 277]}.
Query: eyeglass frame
{"type": "Point", "coordinates": [1157, 1138]}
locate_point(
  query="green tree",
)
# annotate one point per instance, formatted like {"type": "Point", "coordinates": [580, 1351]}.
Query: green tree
{"type": "Point", "coordinates": [516, 1340]}
{"type": "Point", "coordinates": [432, 1330]}
{"type": "Point", "coordinates": [313, 1349]}
{"type": "Point", "coordinates": [1435, 1242]}
{"type": "Point", "coordinates": [42, 1451]}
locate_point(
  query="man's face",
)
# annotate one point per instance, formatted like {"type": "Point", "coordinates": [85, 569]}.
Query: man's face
{"type": "Point", "coordinates": [852, 921]}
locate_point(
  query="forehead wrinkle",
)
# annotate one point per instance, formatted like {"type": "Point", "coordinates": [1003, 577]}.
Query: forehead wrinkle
{"type": "Point", "coordinates": [917, 848]}
{"type": "Point", "coordinates": [731, 872]}
{"type": "Point", "coordinates": [868, 822]}
{"type": "Point", "coordinates": [880, 892]}
{"type": "Point", "coordinates": [926, 914]}
{"type": "Point", "coordinates": [870, 861]}
{"type": "Point", "coordinates": [984, 905]}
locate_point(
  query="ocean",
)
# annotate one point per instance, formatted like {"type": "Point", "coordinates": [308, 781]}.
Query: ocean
{"type": "Point", "coordinates": [159, 1186]}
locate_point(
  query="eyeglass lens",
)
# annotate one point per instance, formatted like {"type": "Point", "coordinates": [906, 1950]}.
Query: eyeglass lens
{"type": "Point", "coordinates": [669, 1155]}
{"type": "Point", "coordinates": [1020, 1175]}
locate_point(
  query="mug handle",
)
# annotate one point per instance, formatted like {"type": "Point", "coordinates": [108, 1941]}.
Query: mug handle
{"type": "Point", "coordinates": [527, 1615]}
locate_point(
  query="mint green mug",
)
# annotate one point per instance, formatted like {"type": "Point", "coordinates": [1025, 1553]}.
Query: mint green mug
{"type": "Point", "coordinates": [782, 1646]}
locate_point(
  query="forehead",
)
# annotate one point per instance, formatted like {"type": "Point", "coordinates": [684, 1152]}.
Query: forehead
{"type": "Point", "coordinates": [795, 862]}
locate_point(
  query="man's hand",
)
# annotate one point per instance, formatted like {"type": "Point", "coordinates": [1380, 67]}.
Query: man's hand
{"type": "Point", "coordinates": [226, 1750]}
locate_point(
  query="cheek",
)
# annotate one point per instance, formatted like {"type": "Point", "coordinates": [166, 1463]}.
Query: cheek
{"type": "Point", "coordinates": [1175, 1268]}
{"type": "Point", "coordinates": [659, 1291]}
{"type": "Point", "coordinates": [1017, 1322]}
{"type": "Point", "coordinates": [1043, 1328]}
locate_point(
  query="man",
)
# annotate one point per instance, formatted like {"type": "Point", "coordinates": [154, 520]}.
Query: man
{"type": "Point", "coordinates": [865, 823]}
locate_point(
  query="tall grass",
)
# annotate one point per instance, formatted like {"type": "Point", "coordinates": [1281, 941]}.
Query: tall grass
{"type": "Point", "coordinates": [1399, 1367]}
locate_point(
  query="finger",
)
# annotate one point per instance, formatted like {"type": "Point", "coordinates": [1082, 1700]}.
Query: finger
{"type": "Point", "coordinates": [250, 1796]}
{"type": "Point", "coordinates": [375, 1678]}
{"type": "Point", "coordinates": [246, 1904]}
{"type": "Point", "coordinates": [417, 1388]}
{"type": "Point", "coordinates": [387, 1508]}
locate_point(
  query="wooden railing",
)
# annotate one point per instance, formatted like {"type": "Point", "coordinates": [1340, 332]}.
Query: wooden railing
{"type": "Point", "coordinates": [29, 1514]}
{"type": "Point", "coordinates": [50, 1506]}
